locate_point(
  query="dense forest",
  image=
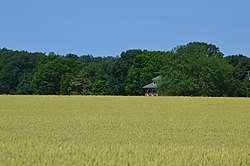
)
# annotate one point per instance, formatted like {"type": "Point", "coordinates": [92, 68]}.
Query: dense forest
{"type": "Point", "coordinates": [195, 69]}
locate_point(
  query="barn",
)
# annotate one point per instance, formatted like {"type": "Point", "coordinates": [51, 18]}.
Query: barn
{"type": "Point", "coordinates": [151, 89]}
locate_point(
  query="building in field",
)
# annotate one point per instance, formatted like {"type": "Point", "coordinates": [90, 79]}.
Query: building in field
{"type": "Point", "coordinates": [151, 89]}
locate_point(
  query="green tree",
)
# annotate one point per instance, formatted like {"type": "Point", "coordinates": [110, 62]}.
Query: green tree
{"type": "Point", "coordinates": [101, 87]}
{"type": "Point", "coordinates": [24, 85]}
{"type": "Point", "coordinates": [122, 68]}
{"type": "Point", "coordinates": [52, 76]}
{"type": "Point", "coordinates": [80, 84]}
{"type": "Point", "coordinates": [241, 65]}
{"type": "Point", "coordinates": [15, 68]}
{"type": "Point", "coordinates": [103, 69]}
{"type": "Point", "coordinates": [144, 68]}
{"type": "Point", "coordinates": [196, 69]}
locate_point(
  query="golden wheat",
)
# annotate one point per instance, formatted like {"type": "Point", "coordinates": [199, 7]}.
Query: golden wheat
{"type": "Point", "coordinates": [97, 130]}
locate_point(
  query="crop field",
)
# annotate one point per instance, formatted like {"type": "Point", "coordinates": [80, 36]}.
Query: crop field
{"type": "Point", "coordinates": [98, 130]}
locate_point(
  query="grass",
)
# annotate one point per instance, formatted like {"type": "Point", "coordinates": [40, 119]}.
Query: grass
{"type": "Point", "coordinates": [91, 130]}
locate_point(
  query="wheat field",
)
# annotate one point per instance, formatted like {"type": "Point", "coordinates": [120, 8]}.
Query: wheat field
{"type": "Point", "coordinates": [112, 130]}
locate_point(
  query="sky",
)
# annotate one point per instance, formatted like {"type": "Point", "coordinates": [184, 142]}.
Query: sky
{"type": "Point", "coordinates": [108, 27]}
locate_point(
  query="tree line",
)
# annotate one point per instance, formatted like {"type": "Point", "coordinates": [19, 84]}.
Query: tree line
{"type": "Point", "coordinates": [194, 69]}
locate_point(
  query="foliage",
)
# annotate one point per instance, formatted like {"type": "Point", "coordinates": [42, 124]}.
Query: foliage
{"type": "Point", "coordinates": [101, 87]}
{"type": "Point", "coordinates": [195, 69]}
{"type": "Point", "coordinates": [52, 75]}
{"type": "Point", "coordinates": [144, 68]}
{"type": "Point", "coordinates": [241, 64]}
{"type": "Point", "coordinates": [16, 68]}
{"type": "Point", "coordinates": [80, 84]}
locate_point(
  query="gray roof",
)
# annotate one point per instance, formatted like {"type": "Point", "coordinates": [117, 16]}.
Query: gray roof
{"type": "Point", "coordinates": [157, 78]}
{"type": "Point", "coordinates": [150, 86]}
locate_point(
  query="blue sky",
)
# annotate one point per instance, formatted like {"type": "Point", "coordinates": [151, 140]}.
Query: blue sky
{"type": "Point", "coordinates": [108, 27]}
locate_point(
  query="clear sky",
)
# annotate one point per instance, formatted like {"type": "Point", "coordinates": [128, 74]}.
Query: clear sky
{"type": "Point", "coordinates": [108, 27]}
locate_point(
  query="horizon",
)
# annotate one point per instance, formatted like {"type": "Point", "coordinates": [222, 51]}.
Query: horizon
{"type": "Point", "coordinates": [79, 55]}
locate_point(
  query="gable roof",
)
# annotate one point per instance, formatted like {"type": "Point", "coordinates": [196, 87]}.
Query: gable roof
{"type": "Point", "coordinates": [153, 85]}
{"type": "Point", "coordinates": [158, 78]}
{"type": "Point", "coordinates": [150, 86]}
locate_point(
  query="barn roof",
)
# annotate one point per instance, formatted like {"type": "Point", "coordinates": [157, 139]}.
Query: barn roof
{"type": "Point", "coordinates": [150, 86]}
{"type": "Point", "coordinates": [158, 78]}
